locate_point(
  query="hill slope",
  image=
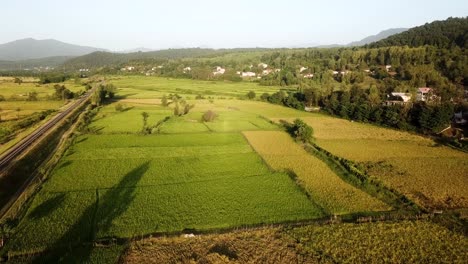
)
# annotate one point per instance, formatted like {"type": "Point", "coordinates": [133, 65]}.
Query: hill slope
{"type": "Point", "coordinates": [382, 35]}
{"type": "Point", "coordinates": [101, 59]}
{"type": "Point", "coordinates": [442, 34]}
{"type": "Point", "coordinates": [29, 48]}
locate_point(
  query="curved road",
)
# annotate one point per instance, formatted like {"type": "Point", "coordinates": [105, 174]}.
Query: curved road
{"type": "Point", "coordinates": [21, 146]}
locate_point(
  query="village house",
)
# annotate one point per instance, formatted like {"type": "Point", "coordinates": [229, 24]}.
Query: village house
{"type": "Point", "coordinates": [309, 75]}
{"type": "Point", "coordinates": [387, 67]}
{"type": "Point", "coordinates": [267, 71]}
{"type": "Point", "coordinates": [219, 70]}
{"type": "Point", "coordinates": [263, 65]}
{"type": "Point", "coordinates": [302, 69]}
{"type": "Point", "coordinates": [187, 69]}
{"type": "Point", "coordinates": [128, 68]}
{"type": "Point", "coordinates": [398, 99]}
{"type": "Point", "coordinates": [424, 94]}
{"type": "Point", "coordinates": [248, 74]}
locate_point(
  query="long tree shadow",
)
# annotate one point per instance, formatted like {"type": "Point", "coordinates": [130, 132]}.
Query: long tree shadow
{"type": "Point", "coordinates": [76, 244]}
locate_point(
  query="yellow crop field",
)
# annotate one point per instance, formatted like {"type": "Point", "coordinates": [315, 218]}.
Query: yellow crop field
{"type": "Point", "coordinates": [323, 185]}
{"type": "Point", "coordinates": [432, 175]}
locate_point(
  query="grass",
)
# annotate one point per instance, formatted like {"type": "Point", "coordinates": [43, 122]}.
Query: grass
{"type": "Point", "coordinates": [9, 108]}
{"type": "Point", "coordinates": [170, 183]}
{"type": "Point", "coordinates": [432, 175]}
{"type": "Point", "coordinates": [323, 185]}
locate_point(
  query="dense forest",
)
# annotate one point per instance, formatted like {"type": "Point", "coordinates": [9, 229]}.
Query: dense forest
{"type": "Point", "coordinates": [442, 34]}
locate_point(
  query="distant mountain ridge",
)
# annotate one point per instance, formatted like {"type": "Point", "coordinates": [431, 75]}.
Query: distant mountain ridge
{"type": "Point", "coordinates": [382, 35]}
{"type": "Point", "coordinates": [367, 40]}
{"type": "Point", "coordinates": [29, 48]}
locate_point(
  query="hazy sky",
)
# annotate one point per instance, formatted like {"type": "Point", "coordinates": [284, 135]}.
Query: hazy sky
{"type": "Point", "coordinates": [119, 24]}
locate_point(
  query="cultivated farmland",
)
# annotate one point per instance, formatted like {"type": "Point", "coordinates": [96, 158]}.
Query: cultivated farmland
{"type": "Point", "coordinates": [239, 170]}
{"type": "Point", "coordinates": [323, 185]}
{"type": "Point", "coordinates": [404, 242]}
{"type": "Point", "coordinates": [122, 185]}
{"type": "Point", "coordinates": [155, 87]}
{"type": "Point", "coordinates": [432, 175]}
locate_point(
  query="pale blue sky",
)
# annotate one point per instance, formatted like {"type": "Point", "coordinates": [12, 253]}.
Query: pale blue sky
{"type": "Point", "coordinates": [119, 24]}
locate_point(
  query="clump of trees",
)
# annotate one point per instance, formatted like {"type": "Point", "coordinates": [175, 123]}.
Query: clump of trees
{"type": "Point", "coordinates": [53, 77]}
{"type": "Point", "coordinates": [181, 107]}
{"type": "Point", "coordinates": [301, 131]}
{"type": "Point", "coordinates": [293, 100]}
{"type": "Point", "coordinates": [62, 92]}
{"type": "Point", "coordinates": [103, 92]}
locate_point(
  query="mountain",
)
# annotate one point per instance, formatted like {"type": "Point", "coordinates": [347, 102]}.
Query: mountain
{"type": "Point", "coordinates": [101, 59]}
{"type": "Point", "coordinates": [382, 35]}
{"type": "Point", "coordinates": [25, 49]}
{"type": "Point", "coordinates": [442, 34]}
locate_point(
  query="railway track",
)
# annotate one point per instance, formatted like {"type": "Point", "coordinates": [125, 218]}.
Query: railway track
{"type": "Point", "coordinates": [21, 146]}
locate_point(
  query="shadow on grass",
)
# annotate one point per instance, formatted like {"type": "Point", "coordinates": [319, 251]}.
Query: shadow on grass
{"type": "Point", "coordinates": [65, 164]}
{"type": "Point", "coordinates": [76, 244]}
{"type": "Point", "coordinates": [47, 207]}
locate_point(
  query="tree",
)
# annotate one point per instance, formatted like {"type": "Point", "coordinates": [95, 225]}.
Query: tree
{"type": "Point", "coordinates": [145, 116]}
{"type": "Point", "coordinates": [17, 112]}
{"type": "Point", "coordinates": [96, 98]}
{"type": "Point", "coordinates": [32, 96]}
{"type": "Point", "coordinates": [111, 90]}
{"type": "Point", "coordinates": [18, 81]}
{"type": "Point", "coordinates": [251, 95]}
{"type": "Point", "coordinates": [209, 116]}
{"type": "Point", "coordinates": [164, 102]}
{"type": "Point", "coordinates": [264, 96]}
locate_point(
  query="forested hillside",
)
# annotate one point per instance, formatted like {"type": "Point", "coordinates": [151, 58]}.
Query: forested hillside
{"type": "Point", "coordinates": [441, 34]}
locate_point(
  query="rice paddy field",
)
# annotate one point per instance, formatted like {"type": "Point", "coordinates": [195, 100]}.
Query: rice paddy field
{"type": "Point", "coordinates": [118, 183]}
{"type": "Point", "coordinates": [239, 171]}
{"type": "Point", "coordinates": [324, 186]}
{"type": "Point", "coordinates": [154, 87]}
{"type": "Point", "coordinates": [378, 243]}
{"type": "Point", "coordinates": [432, 175]}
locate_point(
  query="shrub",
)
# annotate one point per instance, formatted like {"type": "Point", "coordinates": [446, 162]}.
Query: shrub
{"type": "Point", "coordinates": [119, 107]}
{"type": "Point", "coordinates": [209, 116]}
{"type": "Point", "coordinates": [251, 95]}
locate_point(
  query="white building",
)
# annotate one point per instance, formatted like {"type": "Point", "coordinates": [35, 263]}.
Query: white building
{"type": "Point", "coordinates": [263, 65]}
{"type": "Point", "coordinates": [248, 74]}
{"type": "Point", "coordinates": [309, 75]}
{"type": "Point", "coordinates": [187, 69]}
{"type": "Point", "coordinates": [266, 72]}
{"type": "Point", "coordinates": [219, 70]}
{"type": "Point", "coordinates": [302, 69]}
{"type": "Point", "coordinates": [387, 67]}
